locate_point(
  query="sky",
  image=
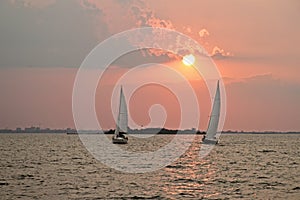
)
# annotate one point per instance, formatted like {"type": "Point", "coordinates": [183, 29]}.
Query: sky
{"type": "Point", "coordinates": [254, 44]}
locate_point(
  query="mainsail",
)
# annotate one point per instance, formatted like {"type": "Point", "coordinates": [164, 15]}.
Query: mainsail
{"type": "Point", "coordinates": [212, 129]}
{"type": "Point", "coordinates": [122, 123]}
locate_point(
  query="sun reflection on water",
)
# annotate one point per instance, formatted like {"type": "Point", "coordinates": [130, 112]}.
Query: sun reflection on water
{"type": "Point", "coordinates": [190, 176]}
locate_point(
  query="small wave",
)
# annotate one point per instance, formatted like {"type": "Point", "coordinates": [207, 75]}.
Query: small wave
{"type": "Point", "coordinates": [4, 183]}
{"type": "Point", "coordinates": [183, 180]}
{"type": "Point", "coordinates": [149, 197]}
{"type": "Point", "coordinates": [175, 166]}
{"type": "Point", "coordinates": [266, 151]}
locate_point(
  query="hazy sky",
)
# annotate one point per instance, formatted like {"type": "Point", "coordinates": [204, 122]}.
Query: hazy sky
{"type": "Point", "coordinates": [254, 43]}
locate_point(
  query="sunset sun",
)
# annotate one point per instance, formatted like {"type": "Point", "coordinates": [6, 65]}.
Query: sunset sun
{"type": "Point", "coordinates": [188, 60]}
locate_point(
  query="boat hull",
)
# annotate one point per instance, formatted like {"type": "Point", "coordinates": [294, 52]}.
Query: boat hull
{"type": "Point", "coordinates": [207, 141]}
{"type": "Point", "coordinates": [119, 140]}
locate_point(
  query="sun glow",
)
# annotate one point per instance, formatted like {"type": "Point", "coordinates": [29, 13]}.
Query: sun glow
{"type": "Point", "coordinates": [188, 60]}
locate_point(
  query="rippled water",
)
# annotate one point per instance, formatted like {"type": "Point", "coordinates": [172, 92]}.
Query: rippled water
{"type": "Point", "coordinates": [40, 166]}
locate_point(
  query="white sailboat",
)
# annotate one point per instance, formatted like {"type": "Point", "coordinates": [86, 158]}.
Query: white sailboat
{"type": "Point", "coordinates": [122, 123]}
{"type": "Point", "coordinates": [211, 134]}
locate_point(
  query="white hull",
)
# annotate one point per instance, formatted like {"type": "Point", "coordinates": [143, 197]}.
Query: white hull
{"type": "Point", "coordinates": [119, 140]}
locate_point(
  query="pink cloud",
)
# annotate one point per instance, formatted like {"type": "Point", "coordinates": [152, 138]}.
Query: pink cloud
{"type": "Point", "coordinates": [203, 33]}
{"type": "Point", "coordinates": [219, 53]}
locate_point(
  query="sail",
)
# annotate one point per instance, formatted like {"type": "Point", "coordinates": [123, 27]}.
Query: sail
{"type": "Point", "coordinates": [214, 117]}
{"type": "Point", "coordinates": [122, 123]}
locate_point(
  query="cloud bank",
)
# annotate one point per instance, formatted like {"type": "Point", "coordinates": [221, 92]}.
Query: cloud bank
{"type": "Point", "coordinates": [33, 3]}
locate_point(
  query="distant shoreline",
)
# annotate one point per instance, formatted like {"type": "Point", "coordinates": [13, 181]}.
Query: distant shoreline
{"type": "Point", "coordinates": [162, 131]}
{"type": "Point", "coordinates": [142, 131]}
{"type": "Point", "coordinates": [239, 133]}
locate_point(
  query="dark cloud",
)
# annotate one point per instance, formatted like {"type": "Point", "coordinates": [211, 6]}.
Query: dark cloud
{"type": "Point", "coordinates": [90, 6]}
{"type": "Point", "coordinates": [60, 36]}
{"type": "Point", "coordinates": [65, 32]}
{"type": "Point", "coordinates": [137, 58]}
{"type": "Point", "coordinates": [33, 3]}
{"type": "Point", "coordinates": [220, 54]}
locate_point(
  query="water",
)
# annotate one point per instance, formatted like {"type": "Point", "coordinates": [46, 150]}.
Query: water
{"type": "Point", "coordinates": [45, 166]}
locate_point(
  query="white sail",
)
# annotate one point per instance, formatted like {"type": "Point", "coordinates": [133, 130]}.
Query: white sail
{"type": "Point", "coordinates": [122, 123]}
{"type": "Point", "coordinates": [212, 129]}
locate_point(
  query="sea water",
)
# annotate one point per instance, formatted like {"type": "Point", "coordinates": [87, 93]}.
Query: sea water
{"type": "Point", "coordinates": [242, 166]}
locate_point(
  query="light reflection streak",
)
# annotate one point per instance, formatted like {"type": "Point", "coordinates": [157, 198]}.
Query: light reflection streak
{"type": "Point", "coordinates": [190, 176]}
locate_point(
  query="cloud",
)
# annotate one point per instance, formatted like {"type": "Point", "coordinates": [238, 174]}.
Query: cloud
{"type": "Point", "coordinates": [98, 18]}
{"type": "Point", "coordinates": [34, 3]}
{"type": "Point", "coordinates": [219, 53]}
{"type": "Point", "coordinates": [123, 15]}
{"type": "Point", "coordinates": [61, 35]}
{"type": "Point", "coordinates": [203, 33]}
{"type": "Point", "coordinates": [89, 6]}
{"type": "Point", "coordinates": [137, 58]}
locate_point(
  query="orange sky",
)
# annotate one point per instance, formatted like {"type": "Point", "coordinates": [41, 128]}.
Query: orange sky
{"type": "Point", "coordinates": [253, 43]}
{"type": "Point", "coordinates": [44, 96]}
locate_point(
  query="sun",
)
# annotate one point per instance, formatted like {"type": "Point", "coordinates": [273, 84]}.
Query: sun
{"type": "Point", "coordinates": [188, 60]}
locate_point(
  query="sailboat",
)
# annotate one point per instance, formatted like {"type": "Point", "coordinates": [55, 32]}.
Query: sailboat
{"type": "Point", "coordinates": [211, 134]}
{"type": "Point", "coordinates": [122, 123]}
